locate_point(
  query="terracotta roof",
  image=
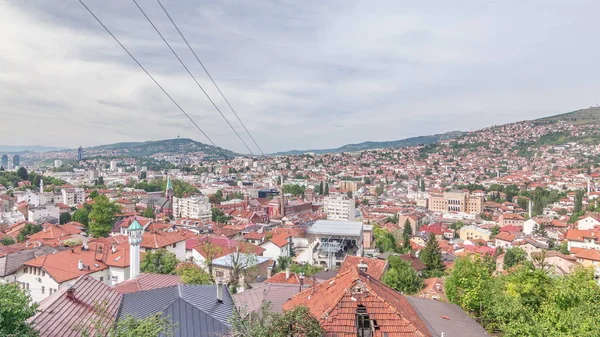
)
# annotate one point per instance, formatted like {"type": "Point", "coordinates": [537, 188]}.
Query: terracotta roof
{"type": "Point", "coordinates": [51, 231]}
{"type": "Point", "coordinates": [375, 267]}
{"type": "Point", "coordinates": [580, 234]}
{"type": "Point", "coordinates": [293, 279]}
{"type": "Point", "coordinates": [226, 246]}
{"type": "Point", "coordinates": [59, 315]}
{"type": "Point", "coordinates": [146, 282]}
{"type": "Point", "coordinates": [160, 239]}
{"type": "Point", "coordinates": [335, 304]}
{"type": "Point", "coordinates": [588, 254]}
{"type": "Point", "coordinates": [505, 236]}
{"type": "Point", "coordinates": [254, 236]}
{"type": "Point", "coordinates": [280, 240]}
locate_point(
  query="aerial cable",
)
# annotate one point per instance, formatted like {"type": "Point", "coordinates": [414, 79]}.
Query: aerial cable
{"type": "Point", "coordinates": [151, 77]}
{"type": "Point", "coordinates": [192, 75]}
{"type": "Point", "coordinates": [209, 76]}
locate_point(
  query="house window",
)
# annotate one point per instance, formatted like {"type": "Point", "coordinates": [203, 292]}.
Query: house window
{"type": "Point", "coordinates": [50, 290]}
{"type": "Point", "coordinates": [43, 290]}
{"type": "Point", "coordinates": [26, 270]}
{"type": "Point", "coordinates": [43, 273]}
{"type": "Point", "coordinates": [364, 325]}
{"type": "Point", "coordinates": [174, 245]}
{"type": "Point", "coordinates": [101, 278]}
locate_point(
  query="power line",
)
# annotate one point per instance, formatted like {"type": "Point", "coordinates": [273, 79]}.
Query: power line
{"type": "Point", "coordinates": [151, 77]}
{"type": "Point", "coordinates": [209, 76]}
{"type": "Point", "coordinates": [192, 75]}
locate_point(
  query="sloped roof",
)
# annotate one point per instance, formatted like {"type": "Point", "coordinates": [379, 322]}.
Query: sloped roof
{"type": "Point", "coordinates": [58, 315]}
{"type": "Point", "coordinates": [147, 282]}
{"type": "Point", "coordinates": [505, 236]}
{"type": "Point", "coordinates": [11, 262]}
{"type": "Point", "coordinates": [447, 318]}
{"type": "Point", "coordinates": [335, 303]}
{"type": "Point", "coordinates": [249, 301]}
{"type": "Point", "coordinates": [375, 267]}
{"type": "Point", "coordinates": [193, 308]}
{"type": "Point", "coordinates": [294, 278]}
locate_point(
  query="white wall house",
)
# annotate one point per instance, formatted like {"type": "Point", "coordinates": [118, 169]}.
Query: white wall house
{"type": "Point", "coordinates": [529, 226]}
{"type": "Point", "coordinates": [73, 196]}
{"type": "Point", "coordinates": [275, 250]}
{"type": "Point", "coordinates": [589, 222]}
{"type": "Point", "coordinates": [36, 213]}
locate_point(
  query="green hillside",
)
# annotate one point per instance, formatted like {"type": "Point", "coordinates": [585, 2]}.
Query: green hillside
{"type": "Point", "coordinates": [591, 114]}
{"type": "Point", "coordinates": [143, 149]}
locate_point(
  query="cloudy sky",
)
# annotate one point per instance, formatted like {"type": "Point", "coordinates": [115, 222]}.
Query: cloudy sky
{"type": "Point", "coordinates": [301, 74]}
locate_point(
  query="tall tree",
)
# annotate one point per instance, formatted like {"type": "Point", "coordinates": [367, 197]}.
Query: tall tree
{"type": "Point", "coordinates": [431, 256]}
{"type": "Point", "coordinates": [160, 261]}
{"type": "Point", "coordinates": [407, 233]}
{"type": "Point", "coordinates": [514, 256]}
{"type": "Point", "coordinates": [82, 216]}
{"type": "Point", "coordinates": [402, 276]}
{"type": "Point", "coordinates": [102, 216]}
{"type": "Point", "coordinates": [296, 322]}
{"type": "Point", "coordinates": [16, 307]}
{"type": "Point", "coordinates": [192, 274]}
{"type": "Point", "coordinates": [148, 213]}
{"type": "Point", "coordinates": [326, 189]}
{"type": "Point", "coordinates": [22, 173]}
{"type": "Point", "coordinates": [578, 201]}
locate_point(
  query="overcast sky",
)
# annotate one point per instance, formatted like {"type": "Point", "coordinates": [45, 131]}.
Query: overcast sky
{"type": "Point", "coordinates": [301, 74]}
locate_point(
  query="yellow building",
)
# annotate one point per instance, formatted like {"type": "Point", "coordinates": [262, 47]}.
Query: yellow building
{"type": "Point", "coordinates": [456, 201]}
{"type": "Point", "coordinates": [474, 233]}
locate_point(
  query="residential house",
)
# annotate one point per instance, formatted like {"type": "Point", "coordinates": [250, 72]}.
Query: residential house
{"type": "Point", "coordinates": [249, 267]}
{"type": "Point", "coordinates": [589, 221]}
{"type": "Point", "coordinates": [511, 219]}
{"type": "Point", "coordinates": [278, 245]}
{"type": "Point", "coordinates": [472, 232]}
{"type": "Point", "coordinates": [504, 240]}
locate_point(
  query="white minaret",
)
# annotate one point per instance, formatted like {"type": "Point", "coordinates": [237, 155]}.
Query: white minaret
{"type": "Point", "coordinates": [135, 238]}
{"type": "Point", "coordinates": [589, 186]}
{"type": "Point", "coordinates": [530, 208]}
{"type": "Point", "coordinates": [41, 185]}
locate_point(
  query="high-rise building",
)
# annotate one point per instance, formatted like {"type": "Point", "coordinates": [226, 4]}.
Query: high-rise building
{"type": "Point", "coordinates": [80, 153]}
{"type": "Point", "coordinates": [196, 207]}
{"type": "Point", "coordinates": [57, 163]}
{"type": "Point", "coordinates": [339, 208]}
{"type": "Point", "coordinates": [16, 161]}
{"type": "Point", "coordinates": [113, 165]}
{"type": "Point", "coordinates": [4, 162]}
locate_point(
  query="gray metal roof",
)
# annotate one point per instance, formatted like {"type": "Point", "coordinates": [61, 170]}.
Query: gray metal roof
{"type": "Point", "coordinates": [450, 319]}
{"type": "Point", "coordinates": [11, 262]}
{"type": "Point", "coordinates": [193, 308]}
{"type": "Point", "coordinates": [251, 300]}
{"type": "Point", "coordinates": [247, 260]}
{"type": "Point", "coordinates": [341, 228]}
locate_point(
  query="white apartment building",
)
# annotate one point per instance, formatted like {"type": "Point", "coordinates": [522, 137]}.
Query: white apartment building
{"type": "Point", "coordinates": [196, 207]}
{"type": "Point", "coordinates": [73, 196]}
{"type": "Point", "coordinates": [339, 208]}
{"type": "Point", "coordinates": [36, 213]}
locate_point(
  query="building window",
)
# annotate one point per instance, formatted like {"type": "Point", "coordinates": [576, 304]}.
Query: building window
{"type": "Point", "coordinates": [50, 290]}
{"type": "Point", "coordinates": [219, 273]}
{"type": "Point", "coordinates": [101, 278]}
{"type": "Point", "coordinates": [174, 245]}
{"type": "Point", "coordinates": [43, 290]}
{"type": "Point", "coordinates": [26, 270]}
{"type": "Point", "coordinates": [43, 273]}
{"type": "Point", "coordinates": [364, 325]}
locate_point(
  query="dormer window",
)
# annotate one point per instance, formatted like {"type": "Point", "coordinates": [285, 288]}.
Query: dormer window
{"type": "Point", "coordinates": [365, 326]}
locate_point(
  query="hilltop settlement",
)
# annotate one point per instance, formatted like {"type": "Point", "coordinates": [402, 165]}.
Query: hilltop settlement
{"type": "Point", "coordinates": [491, 232]}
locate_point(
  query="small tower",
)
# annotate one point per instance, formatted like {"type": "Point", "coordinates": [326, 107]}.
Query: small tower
{"type": "Point", "coordinates": [134, 231]}
{"type": "Point", "coordinates": [169, 193]}
{"type": "Point", "coordinates": [282, 200]}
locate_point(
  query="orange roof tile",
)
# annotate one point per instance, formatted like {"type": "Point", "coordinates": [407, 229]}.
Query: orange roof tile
{"type": "Point", "coordinates": [375, 267]}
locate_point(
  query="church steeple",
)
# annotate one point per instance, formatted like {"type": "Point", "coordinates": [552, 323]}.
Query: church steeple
{"type": "Point", "coordinates": [169, 189]}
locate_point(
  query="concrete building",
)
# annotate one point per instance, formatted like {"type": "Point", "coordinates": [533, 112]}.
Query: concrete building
{"type": "Point", "coordinates": [339, 208]}
{"type": "Point", "coordinates": [16, 161]}
{"type": "Point", "coordinates": [58, 163]}
{"type": "Point", "coordinates": [4, 162]}
{"type": "Point", "coordinates": [196, 207]}
{"type": "Point", "coordinates": [113, 165]}
{"type": "Point", "coordinates": [37, 213]}
{"type": "Point", "coordinates": [73, 196]}
{"type": "Point", "coordinates": [332, 241]}
{"type": "Point", "coordinates": [351, 186]}
{"type": "Point", "coordinates": [473, 233]}
{"type": "Point", "coordinates": [456, 201]}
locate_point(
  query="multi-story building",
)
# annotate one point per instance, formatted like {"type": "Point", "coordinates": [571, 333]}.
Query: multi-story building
{"type": "Point", "coordinates": [58, 163]}
{"type": "Point", "coordinates": [73, 196]}
{"type": "Point", "coordinates": [43, 212]}
{"type": "Point", "coordinates": [339, 208]}
{"type": "Point", "coordinates": [196, 207]}
{"type": "Point", "coordinates": [473, 233]}
{"type": "Point", "coordinates": [16, 161]}
{"type": "Point", "coordinates": [456, 201]}
{"type": "Point", "coordinates": [351, 186]}
{"type": "Point", "coordinates": [4, 162]}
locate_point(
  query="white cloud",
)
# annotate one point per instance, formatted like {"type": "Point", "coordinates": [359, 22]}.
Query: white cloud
{"type": "Point", "coordinates": [295, 71]}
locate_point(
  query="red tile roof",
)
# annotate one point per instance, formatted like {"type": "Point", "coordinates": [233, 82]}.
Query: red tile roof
{"type": "Point", "coordinates": [280, 240]}
{"type": "Point", "coordinates": [505, 236]}
{"type": "Point", "coordinates": [588, 254]}
{"type": "Point", "coordinates": [147, 282]}
{"type": "Point", "coordinates": [293, 279]}
{"type": "Point", "coordinates": [335, 303]}
{"type": "Point", "coordinates": [375, 267]}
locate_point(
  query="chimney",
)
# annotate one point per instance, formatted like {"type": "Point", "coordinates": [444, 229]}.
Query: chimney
{"type": "Point", "coordinates": [113, 248]}
{"type": "Point", "coordinates": [269, 271]}
{"type": "Point", "coordinates": [71, 293]}
{"type": "Point", "coordinates": [85, 244]}
{"type": "Point", "coordinates": [80, 265]}
{"type": "Point", "coordinates": [219, 292]}
{"type": "Point", "coordinates": [287, 273]}
{"type": "Point", "coordinates": [362, 266]}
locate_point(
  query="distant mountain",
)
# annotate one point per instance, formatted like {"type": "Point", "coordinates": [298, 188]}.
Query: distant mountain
{"type": "Point", "coordinates": [143, 149]}
{"type": "Point", "coordinates": [379, 145]}
{"type": "Point", "coordinates": [33, 148]}
{"type": "Point", "coordinates": [591, 114]}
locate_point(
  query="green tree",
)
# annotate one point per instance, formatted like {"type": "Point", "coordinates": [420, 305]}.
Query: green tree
{"type": "Point", "coordinates": [384, 240]}
{"type": "Point", "coordinates": [102, 217]}
{"type": "Point", "coordinates": [431, 256]}
{"type": "Point", "coordinates": [466, 285]}
{"type": "Point", "coordinates": [406, 235]}
{"type": "Point", "coordinates": [99, 181]}
{"type": "Point", "coordinates": [578, 201]}
{"type": "Point", "coordinates": [148, 213]}
{"type": "Point", "coordinates": [64, 218]}
{"type": "Point", "coordinates": [82, 216]}
{"type": "Point", "coordinates": [129, 326]}
{"type": "Point", "coordinates": [22, 173]}
{"type": "Point", "coordinates": [295, 322]}
{"type": "Point", "coordinates": [15, 308]}
{"type": "Point", "coordinates": [379, 190]}
{"type": "Point", "coordinates": [293, 189]}
{"type": "Point", "coordinates": [159, 261]}
{"type": "Point", "coordinates": [349, 194]}
{"type": "Point", "coordinates": [422, 185]}
{"type": "Point", "coordinates": [495, 230]}
{"type": "Point", "coordinates": [514, 256]}
{"type": "Point", "coordinates": [28, 230]}
{"type": "Point", "coordinates": [7, 241]}
{"type": "Point", "coordinates": [219, 216]}
{"type": "Point", "coordinates": [564, 248]}
{"type": "Point", "coordinates": [192, 274]}
{"type": "Point", "coordinates": [94, 194]}
{"type": "Point", "coordinates": [283, 262]}
{"type": "Point", "coordinates": [402, 276]}
{"type": "Point", "coordinates": [143, 175]}
{"type": "Point", "coordinates": [326, 192]}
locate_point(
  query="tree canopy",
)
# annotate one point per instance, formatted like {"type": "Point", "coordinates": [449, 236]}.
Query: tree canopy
{"type": "Point", "coordinates": [431, 256]}
{"type": "Point", "coordinates": [296, 322]}
{"type": "Point", "coordinates": [159, 261]}
{"type": "Point", "coordinates": [16, 307]}
{"type": "Point", "coordinates": [192, 274]}
{"type": "Point", "coordinates": [402, 277]}
{"type": "Point", "coordinates": [102, 216]}
{"type": "Point", "coordinates": [514, 256]}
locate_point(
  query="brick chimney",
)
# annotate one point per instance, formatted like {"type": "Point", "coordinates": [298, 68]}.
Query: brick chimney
{"type": "Point", "coordinates": [362, 266]}
{"type": "Point", "coordinates": [71, 293]}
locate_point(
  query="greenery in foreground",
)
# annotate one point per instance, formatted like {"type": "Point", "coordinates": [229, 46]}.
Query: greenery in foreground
{"type": "Point", "coordinates": [15, 308]}
{"type": "Point", "coordinates": [295, 322]}
{"type": "Point", "coordinates": [528, 301]}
